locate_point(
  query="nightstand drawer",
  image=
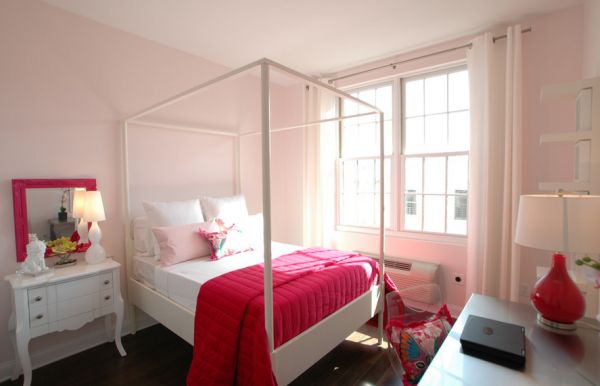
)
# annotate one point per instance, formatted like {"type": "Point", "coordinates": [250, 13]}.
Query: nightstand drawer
{"type": "Point", "coordinates": [38, 315]}
{"type": "Point", "coordinates": [77, 288]}
{"type": "Point", "coordinates": [76, 306]}
{"type": "Point", "coordinates": [106, 281]}
{"type": "Point", "coordinates": [37, 296]}
{"type": "Point", "coordinates": [106, 298]}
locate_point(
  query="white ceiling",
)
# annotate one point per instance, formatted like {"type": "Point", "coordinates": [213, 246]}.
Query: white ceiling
{"type": "Point", "coordinates": [313, 36]}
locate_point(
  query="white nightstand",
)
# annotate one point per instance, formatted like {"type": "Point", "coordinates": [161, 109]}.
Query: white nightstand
{"type": "Point", "coordinates": [64, 299]}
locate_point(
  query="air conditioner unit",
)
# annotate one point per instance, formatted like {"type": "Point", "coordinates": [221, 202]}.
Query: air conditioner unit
{"type": "Point", "coordinates": [407, 273]}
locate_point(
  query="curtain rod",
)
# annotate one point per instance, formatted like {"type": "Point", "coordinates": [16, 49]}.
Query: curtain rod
{"type": "Point", "coordinates": [394, 64]}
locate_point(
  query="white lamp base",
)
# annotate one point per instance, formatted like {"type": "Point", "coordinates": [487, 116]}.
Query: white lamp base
{"type": "Point", "coordinates": [95, 253]}
{"type": "Point", "coordinates": [82, 230]}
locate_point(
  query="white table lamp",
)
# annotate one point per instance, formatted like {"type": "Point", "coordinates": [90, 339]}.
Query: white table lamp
{"type": "Point", "coordinates": [559, 223]}
{"type": "Point", "coordinates": [94, 212]}
{"type": "Point", "coordinates": [78, 208]}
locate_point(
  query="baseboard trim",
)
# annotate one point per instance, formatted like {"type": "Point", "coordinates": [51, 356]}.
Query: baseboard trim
{"type": "Point", "coordinates": [62, 350]}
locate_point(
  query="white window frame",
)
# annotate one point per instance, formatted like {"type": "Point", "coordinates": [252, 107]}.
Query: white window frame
{"type": "Point", "coordinates": [396, 209]}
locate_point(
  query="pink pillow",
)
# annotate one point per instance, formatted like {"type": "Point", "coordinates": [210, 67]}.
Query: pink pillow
{"type": "Point", "coordinates": [179, 243]}
{"type": "Point", "coordinates": [225, 240]}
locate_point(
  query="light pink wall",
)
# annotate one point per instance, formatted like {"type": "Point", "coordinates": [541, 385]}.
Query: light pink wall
{"type": "Point", "coordinates": [591, 38]}
{"type": "Point", "coordinates": [552, 53]}
{"type": "Point", "coordinates": [65, 84]}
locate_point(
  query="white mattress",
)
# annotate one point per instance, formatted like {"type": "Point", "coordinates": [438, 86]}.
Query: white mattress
{"type": "Point", "coordinates": [181, 282]}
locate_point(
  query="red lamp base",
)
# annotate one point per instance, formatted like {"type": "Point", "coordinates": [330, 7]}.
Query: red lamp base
{"type": "Point", "coordinates": [556, 297]}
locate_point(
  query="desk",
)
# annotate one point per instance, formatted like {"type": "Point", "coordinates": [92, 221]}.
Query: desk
{"type": "Point", "coordinates": [551, 359]}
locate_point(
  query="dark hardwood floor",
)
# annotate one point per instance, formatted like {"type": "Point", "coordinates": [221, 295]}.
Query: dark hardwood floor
{"type": "Point", "coordinates": [156, 356]}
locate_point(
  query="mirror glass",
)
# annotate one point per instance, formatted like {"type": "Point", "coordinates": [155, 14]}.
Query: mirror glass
{"type": "Point", "coordinates": [49, 213]}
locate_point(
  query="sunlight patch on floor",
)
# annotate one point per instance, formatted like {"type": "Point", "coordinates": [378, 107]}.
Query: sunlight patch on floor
{"type": "Point", "coordinates": [366, 335]}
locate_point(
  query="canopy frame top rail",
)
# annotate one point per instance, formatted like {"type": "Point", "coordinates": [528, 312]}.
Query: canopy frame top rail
{"type": "Point", "coordinates": [137, 118]}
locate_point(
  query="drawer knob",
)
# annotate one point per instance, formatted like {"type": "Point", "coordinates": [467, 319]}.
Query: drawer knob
{"type": "Point", "coordinates": [39, 316]}
{"type": "Point", "coordinates": [107, 297]}
{"type": "Point", "coordinates": [106, 282]}
{"type": "Point", "coordinates": [38, 299]}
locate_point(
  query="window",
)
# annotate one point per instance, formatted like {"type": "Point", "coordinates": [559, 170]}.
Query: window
{"type": "Point", "coordinates": [431, 175]}
{"type": "Point", "coordinates": [359, 161]}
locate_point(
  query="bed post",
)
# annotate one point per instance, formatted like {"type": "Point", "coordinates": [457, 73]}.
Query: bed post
{"type": "Point", "coordinates": [266, 194]}
{"type": "Point", "coordinates": [126, 216]}
{"type": "Point", "coordinates": [381, 230]}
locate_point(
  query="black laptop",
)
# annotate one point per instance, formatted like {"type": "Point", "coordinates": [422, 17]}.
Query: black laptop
{"type": "Point", "coordinates": [495, 341]}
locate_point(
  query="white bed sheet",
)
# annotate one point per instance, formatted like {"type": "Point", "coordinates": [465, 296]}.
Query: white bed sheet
{"type": "Point", "coordinates": [181, 282]}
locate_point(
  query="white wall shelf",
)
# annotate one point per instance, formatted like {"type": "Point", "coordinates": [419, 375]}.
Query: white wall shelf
{"type": "Point", "coordinates": [585, 137]}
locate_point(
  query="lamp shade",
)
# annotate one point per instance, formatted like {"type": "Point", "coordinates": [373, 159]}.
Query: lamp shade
{"type": "Point", "coordinates": [78, 202]}
{"type": "Point", "coordinates": [568, 223]}
{"type": "Point", "coordinates": [94, 209]}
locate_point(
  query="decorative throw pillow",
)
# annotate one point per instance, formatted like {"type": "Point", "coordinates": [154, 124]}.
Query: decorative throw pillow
{"type": "Point", "coordinates": [226, 241]}
{"type": "Point", "coordinates": [417, 342]}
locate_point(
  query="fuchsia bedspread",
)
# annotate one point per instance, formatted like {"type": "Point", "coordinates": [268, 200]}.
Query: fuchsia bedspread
{"type": "Point", "coordinates": [230, 342]}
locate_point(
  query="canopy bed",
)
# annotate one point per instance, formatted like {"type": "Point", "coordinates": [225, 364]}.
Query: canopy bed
{"type": "Point", "coordinates": [298, 353]}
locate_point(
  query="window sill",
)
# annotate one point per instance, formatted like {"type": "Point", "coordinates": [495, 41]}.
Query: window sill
{"type": "Point", "coordinates": [404, 235]}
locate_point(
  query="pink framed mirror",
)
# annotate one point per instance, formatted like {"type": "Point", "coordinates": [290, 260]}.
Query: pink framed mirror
{"type": "Point", "coordinates": [43, 206]}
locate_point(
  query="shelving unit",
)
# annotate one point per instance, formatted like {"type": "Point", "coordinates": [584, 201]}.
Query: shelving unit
{"type": "Point", "coordinates": [585, 138]}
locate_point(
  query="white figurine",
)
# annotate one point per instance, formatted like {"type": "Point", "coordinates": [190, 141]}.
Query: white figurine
{"type": "Point", "coordinates": [34, 262]}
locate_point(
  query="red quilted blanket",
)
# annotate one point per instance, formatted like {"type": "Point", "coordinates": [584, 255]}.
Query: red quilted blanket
{"type": "Point", "coordinates": [230, 342]}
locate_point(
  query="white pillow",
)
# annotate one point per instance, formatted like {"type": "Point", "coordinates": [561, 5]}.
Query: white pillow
{"type": "Point", "coordinates": [252, 227]}
{"type": "Point", "coordinates": [161, 214]}
{"type": "Point", "coordinates": [229, 209]}
{"type": "Point", "coordinates": [141, 234]}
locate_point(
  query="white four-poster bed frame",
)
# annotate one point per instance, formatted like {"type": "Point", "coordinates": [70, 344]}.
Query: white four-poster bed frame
{"type": "Point", "coordinates": [295, 356]}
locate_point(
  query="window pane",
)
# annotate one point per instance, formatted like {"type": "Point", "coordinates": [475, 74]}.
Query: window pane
{"type": "Point", "coordinates": [436, 94]}
{"type": "Point", "coordinates": [348, 209]}
{"type": "Point", "coordinates": [349, 107]}
{"type": "Point", "coordinates": [435, 175]}
{"type": "Point", "coordinates": [458, 174]}
{"type": "Point", "coordinates": [349, 176]}
{"type": "Point", "coordinates": [349, 141]}
{"type": "Point", "coordinates": [457, 215]}
{"type": "Point", "coordinates": [436, 137]}
{"type": "Point", "coordinates": [458, 91]}
{"type": "Point", "coordinates": [414, 135]}
{"type": "Point", "coordinates": [413, 99]}
{"type": "Point", "coordinates": [366, 176]}
{"type": "Point", "coordinates": [367, 95]}
{"type": "Point", "coordinates": [413, 174]}
{"type": "Point", "coordinates": [413, 207]}
{"type": "Point", "coordinates": [458, 131]}
{"type": "Point", "coordinates": [434, 213]}
{"type": "Point", "coordinates": [366, 209]}
{"type": "Point", "coordinates": [368, 140]}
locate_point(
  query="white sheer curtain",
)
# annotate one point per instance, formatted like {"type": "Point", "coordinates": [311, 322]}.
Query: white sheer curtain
{"type": "Point", "coordinates": [319, 168]}
{"type": "Point", "coordinates": [493, 259]}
